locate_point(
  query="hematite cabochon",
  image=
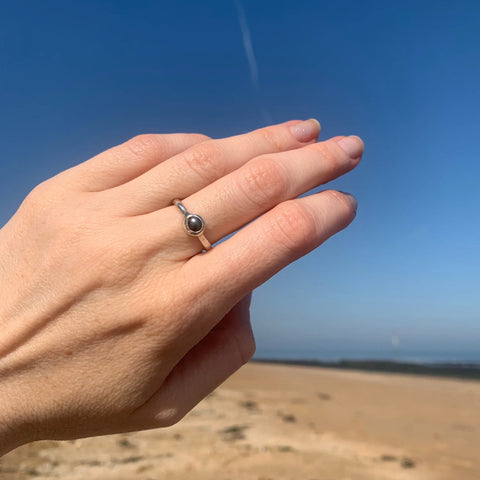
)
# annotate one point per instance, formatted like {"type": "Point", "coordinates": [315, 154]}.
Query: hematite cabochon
{"type": "Point", "coordinates": [194, 224]}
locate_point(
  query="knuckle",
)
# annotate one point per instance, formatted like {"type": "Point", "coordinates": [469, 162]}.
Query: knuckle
{"type": "Point", "coordinates": [41, 192]}
{"type": "Point", "coordinates": [294, 226]}
{"type": "Point", "coordinates": [269, 136]}
{"type": "Point", "coordinates": [328, 156]}
{"type": "Point", "coordinates": [199, 137]}
{"type": "Point", "coordinates": [264, 181]}
{"type": "Point", "coordinates": [144, 145]}
{"type": "Point", "coordinates": [39, 203]}
{"type": "Point", "coordinates": [204, 160]}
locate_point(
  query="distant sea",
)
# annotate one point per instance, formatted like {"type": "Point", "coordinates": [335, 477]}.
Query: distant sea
{"type": "Point", "coordinates": [464, 365]}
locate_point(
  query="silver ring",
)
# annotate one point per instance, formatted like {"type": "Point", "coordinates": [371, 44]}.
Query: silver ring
{"type": "Point", "coordinates": [194, 224]}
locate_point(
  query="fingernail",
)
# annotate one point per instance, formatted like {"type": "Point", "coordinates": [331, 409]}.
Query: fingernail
{"type": "Point", "coordinates": [352, 199]}
{"type": "Point", "coordinates": [306, 131]}
{"type": "Point", "coordinates": [352, 145]}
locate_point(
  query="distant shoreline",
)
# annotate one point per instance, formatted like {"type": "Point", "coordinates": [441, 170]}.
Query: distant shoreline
{"type": "Point", "coordinates": [466, 371]}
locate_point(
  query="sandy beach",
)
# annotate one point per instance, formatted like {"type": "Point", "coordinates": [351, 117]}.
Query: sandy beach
{"type": "Point", "coordinates": [272, 422]}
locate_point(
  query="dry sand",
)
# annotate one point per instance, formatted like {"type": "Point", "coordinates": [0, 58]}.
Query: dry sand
{"type": "Point", "coordinates": [272, 422]}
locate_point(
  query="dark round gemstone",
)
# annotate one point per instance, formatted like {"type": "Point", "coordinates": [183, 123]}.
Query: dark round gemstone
{"type": "Point", "coordinates": [194, 223]}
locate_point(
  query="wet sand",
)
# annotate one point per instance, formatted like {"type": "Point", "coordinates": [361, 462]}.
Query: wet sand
{"type": "Point", "coordinates": [271, 422]}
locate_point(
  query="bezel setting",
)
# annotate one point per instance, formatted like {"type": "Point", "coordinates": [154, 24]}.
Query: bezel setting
{"type": "Point", "coordinates": [194, 233]}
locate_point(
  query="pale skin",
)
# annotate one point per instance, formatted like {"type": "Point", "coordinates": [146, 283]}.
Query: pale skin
{"type": "Point", "coordinates": [113, 319]}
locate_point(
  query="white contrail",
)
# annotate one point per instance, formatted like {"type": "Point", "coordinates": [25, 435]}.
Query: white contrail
{"type": "Point", "coordinates": [252, 63]}
{"type": "Point", "coordinates": [247, 43]}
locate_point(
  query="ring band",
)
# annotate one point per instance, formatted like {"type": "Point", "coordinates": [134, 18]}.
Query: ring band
{"type": "Point", "coordinates": [194, 224]}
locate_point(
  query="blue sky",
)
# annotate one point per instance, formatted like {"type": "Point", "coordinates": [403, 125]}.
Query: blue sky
{"type": "Point", "coordinates": [79, 77]}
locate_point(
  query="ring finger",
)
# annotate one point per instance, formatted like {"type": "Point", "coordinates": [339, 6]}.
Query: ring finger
{"type": "Point", "coordinates": [236, 199]}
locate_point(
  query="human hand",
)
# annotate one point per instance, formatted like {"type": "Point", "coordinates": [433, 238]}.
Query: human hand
{"type": "Point", "coordinates": [112, 318]}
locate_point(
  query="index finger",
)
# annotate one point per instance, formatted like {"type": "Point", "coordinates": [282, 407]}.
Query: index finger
{"type": "Point", "coordinates": [202, 164]}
